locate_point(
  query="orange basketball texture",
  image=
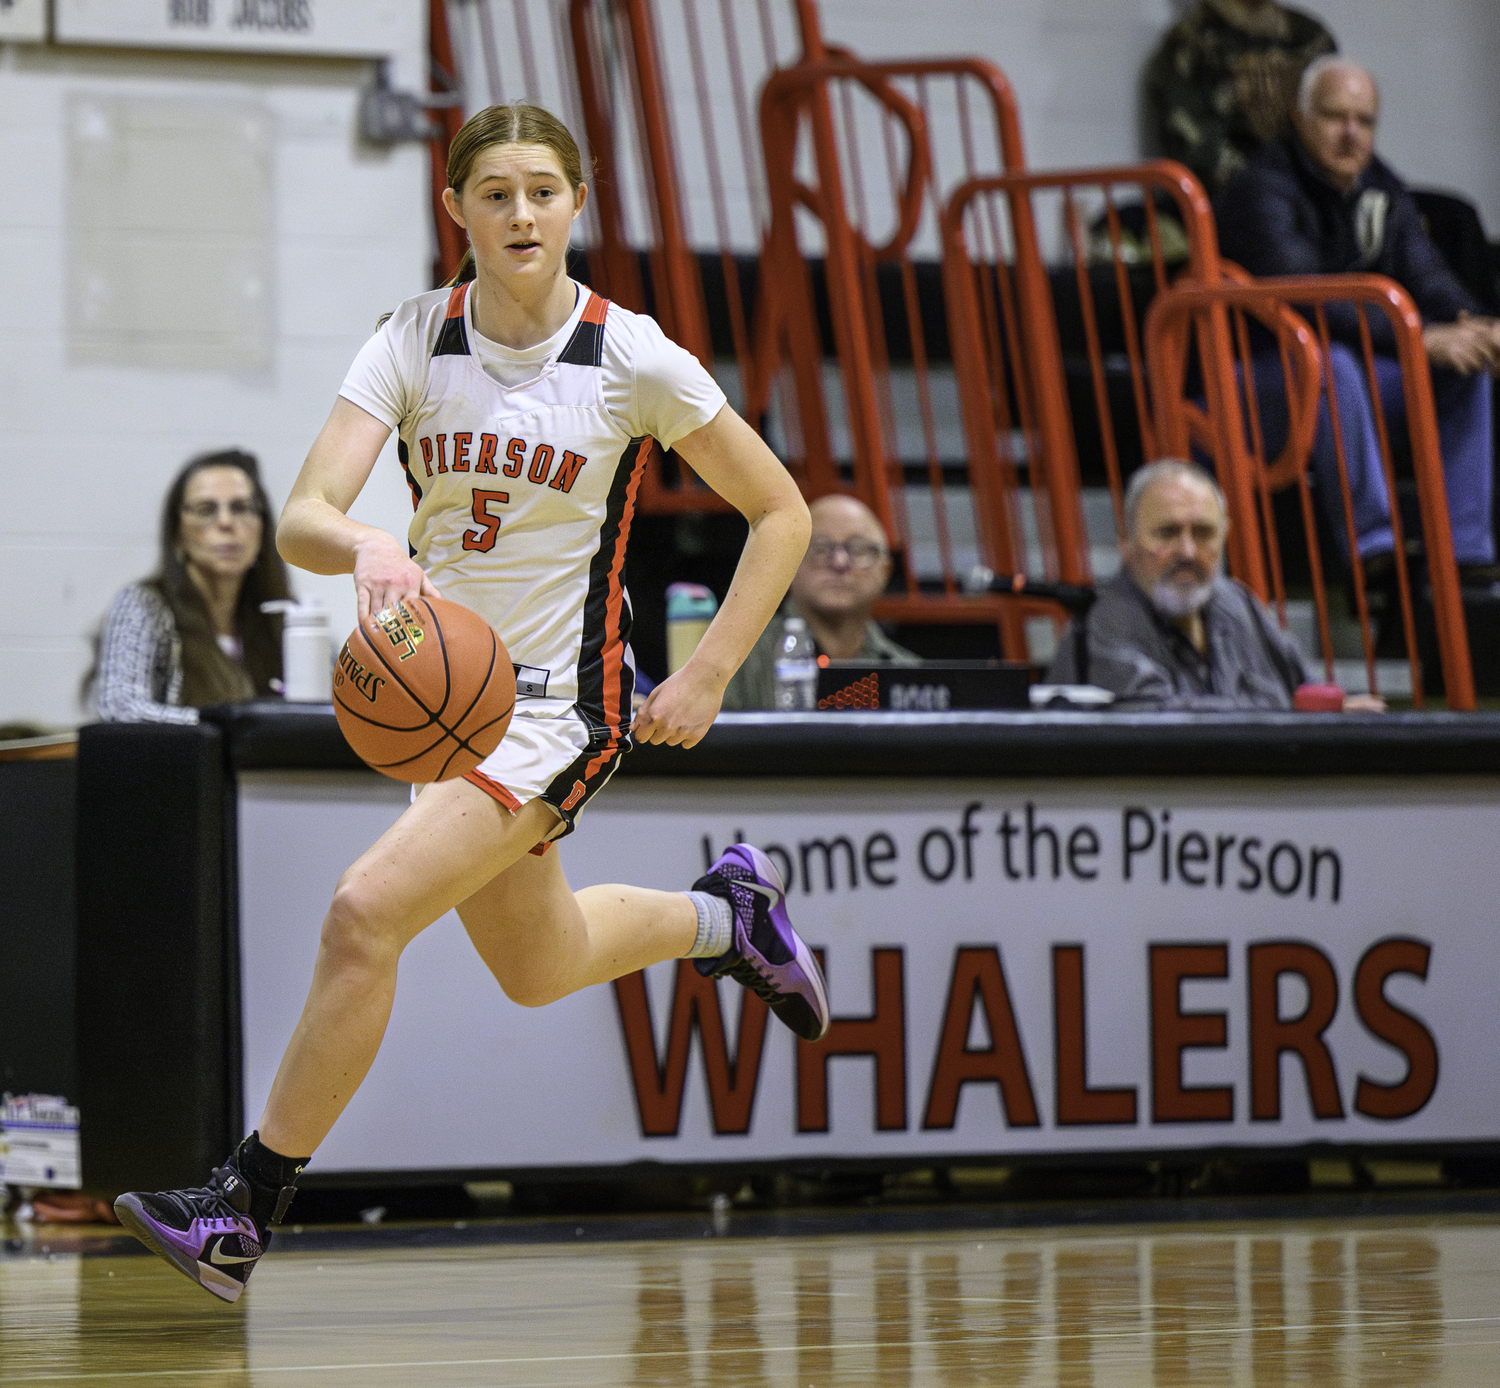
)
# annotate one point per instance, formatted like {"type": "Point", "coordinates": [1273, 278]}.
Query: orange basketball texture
{"type": "Point", "coordinates": [424, 690]}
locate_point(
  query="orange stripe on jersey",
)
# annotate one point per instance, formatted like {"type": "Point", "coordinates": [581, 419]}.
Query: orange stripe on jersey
{"type": "Point", "coordinates": [614, 649]}
{"type": "Point", "coordinates": [602, 760]}
{"type": "Point", "coordinates": [595, 309]}
{"type": "Point", "coordinates": [490, 786]}
{"type": "Point", "coordinates": [456, 300]}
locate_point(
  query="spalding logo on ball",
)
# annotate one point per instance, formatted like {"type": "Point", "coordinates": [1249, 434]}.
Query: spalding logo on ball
{"type": "Point", "coordinates": [424, 690]}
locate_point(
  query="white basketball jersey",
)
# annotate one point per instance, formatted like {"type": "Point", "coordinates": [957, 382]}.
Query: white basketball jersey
{"type": "Point", "coordinates": [524, 497]}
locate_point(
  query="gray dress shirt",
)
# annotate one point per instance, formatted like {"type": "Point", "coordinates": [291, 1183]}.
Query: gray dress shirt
{"type": "Point", "coordinates": [1136, 652]}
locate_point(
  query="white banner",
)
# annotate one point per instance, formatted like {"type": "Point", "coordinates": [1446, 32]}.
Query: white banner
{"type": "Point", "coordinates": [327, 27]}
{"type": "Point", "coordinates": [1014, 967]}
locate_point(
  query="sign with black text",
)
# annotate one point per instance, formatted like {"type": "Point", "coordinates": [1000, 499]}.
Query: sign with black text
{"type": "Point", "coordinates": [325, 27]}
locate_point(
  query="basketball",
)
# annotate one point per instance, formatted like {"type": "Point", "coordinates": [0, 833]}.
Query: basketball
{"type": "Point", "coordinates": [424, 690]}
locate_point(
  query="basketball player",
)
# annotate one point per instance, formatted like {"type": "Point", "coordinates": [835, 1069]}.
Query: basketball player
{"type": "Point", "coordinates": [524, 405]}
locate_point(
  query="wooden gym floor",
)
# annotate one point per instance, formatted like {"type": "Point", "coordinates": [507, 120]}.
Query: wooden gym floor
{"type": "Point", "coordinates": [1373, 1300]}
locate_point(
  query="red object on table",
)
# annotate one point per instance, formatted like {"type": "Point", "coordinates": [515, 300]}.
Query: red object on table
{"type": "Point", "coordinates": [1318, 698]}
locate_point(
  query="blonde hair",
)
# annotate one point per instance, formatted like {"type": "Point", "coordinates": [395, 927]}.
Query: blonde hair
{"type": "Point", "coordinates": [518, 123]}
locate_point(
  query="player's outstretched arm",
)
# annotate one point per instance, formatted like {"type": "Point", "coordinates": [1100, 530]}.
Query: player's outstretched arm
{"type": "Point", "coordinates": [729, 455]}
{"type": "Point", "coordinates": [316, 534]}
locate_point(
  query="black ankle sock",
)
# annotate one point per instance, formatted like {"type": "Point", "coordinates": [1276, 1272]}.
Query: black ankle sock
{"type": "Point", "coordinates": [269, 1173]}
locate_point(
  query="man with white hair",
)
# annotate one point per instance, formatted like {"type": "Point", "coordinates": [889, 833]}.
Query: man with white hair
{"type": "Point", "coordinates": [1319, 201]}
{"type": "Point", "coordinates": [1170, 630]}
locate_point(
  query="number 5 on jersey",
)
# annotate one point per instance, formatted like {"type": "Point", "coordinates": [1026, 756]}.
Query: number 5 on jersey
{"type": "Point", "coordinates": [489, 526]}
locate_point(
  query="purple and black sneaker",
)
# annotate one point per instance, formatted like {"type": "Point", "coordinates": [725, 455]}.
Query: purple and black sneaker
{"type": "Point", "coordinates": [207, 1234]}
{"type": "Point", "coordinates": [767, 956]}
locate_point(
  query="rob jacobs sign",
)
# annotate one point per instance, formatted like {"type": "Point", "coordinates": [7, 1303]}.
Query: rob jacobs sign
{"type": "Point", "coordinates": [1013, 967]}
{"type": "Point", "coordinates": [324, 27]}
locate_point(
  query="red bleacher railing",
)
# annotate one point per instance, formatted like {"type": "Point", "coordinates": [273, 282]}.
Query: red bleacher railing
{"type": "Point", "coordinates": [824, 121]}
{"type": "Point", "coordinates": [1187, 426]}
{"type": "Point", "coordinates": [786, 306]}
{"type": "Point", "coordinates": [450, 238]}
{"type": "Point", "coordinates": [856, 151]}
{"type": "Point", "coordinates": [1228, 427]}
{"type": "Point", "coordinates": [630, 84]}
{"type": "Point", "coordinates": [1007, 348]}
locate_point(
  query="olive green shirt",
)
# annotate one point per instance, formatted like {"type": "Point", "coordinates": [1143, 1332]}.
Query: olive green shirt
{"type": "Point", "coordinates": [754, 683]}
{"type": "Point", "coordinates": [1148, 662]}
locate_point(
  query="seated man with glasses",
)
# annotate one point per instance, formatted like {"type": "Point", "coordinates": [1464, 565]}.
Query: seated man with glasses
{"type": "Point", "coordinates": [847, 565]}
{"type": "Point", "coordinates": [193, 633]}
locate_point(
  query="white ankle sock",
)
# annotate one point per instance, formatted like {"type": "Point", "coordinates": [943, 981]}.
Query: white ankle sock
{"type": "Point", "coordinates": [715, 926]}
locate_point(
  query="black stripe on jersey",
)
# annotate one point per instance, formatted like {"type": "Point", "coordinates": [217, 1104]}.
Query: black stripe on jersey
{"type": "Point", "coordinates": [411, 481]}
{"type": "Point", "coordinates": [453, 340]}
{"type": "Point", "coordinates": [586, 346]}
{"type": "Point", "coordinates": [405, 457]}
{"type": "Point", "coordinates": [596, 619]}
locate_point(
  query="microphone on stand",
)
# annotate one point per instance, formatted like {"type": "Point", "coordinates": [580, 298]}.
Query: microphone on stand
{"type": "Point", "coordinates": [1075, 597]}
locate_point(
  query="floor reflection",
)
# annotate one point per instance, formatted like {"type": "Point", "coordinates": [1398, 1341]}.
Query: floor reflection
{"type": "Point", "coordinates": [1278, 1306]}
{"type": "Point", "coordinates": [65, 1317]}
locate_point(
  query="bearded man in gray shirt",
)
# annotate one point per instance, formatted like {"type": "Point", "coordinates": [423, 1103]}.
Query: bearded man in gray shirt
{"type": "Point", "coordinates": [1170, 630]}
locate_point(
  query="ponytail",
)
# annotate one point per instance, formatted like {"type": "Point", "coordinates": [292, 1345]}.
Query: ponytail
{"type": "Point", "coordinates": [465, 273]}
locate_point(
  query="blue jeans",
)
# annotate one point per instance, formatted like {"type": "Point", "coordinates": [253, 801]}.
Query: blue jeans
{"type": "Point", "coordinates": [1463, 412]}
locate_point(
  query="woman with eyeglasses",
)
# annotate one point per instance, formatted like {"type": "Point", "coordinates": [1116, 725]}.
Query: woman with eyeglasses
{"type": "Point", "coordinates": [193, 633]}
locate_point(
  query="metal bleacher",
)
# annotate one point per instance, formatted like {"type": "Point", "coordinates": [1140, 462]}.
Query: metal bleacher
{"type": "Point", "coordinates": [906, 311]}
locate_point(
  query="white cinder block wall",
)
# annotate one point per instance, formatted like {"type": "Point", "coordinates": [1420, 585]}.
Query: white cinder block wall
{"type": "Point", "coordinates": [86, 451]}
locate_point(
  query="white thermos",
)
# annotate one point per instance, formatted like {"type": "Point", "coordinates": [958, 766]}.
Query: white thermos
{"type": "Point", "coordinates": [306, 651]}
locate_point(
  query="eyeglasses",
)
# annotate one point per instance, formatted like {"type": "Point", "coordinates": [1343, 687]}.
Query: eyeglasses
{"type": "Point", "coordinates": [860, 554]}
{"type": "Point", "coordinates": [241, 509]}
{"type": "Point", "coordinates": [1170, 533]}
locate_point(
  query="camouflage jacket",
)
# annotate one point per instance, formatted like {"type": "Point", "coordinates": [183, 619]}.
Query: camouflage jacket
{"type": "Point", "coordinates": [1225, 80]}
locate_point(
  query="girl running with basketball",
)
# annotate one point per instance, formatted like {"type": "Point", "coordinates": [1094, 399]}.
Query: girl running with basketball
{"type": "Point", "coordinates": [525, 405]}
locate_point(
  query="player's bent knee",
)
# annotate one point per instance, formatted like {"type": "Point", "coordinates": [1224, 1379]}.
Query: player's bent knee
{"type": "Point", "coordinates": [531, 992]}
{"type": "Point", "coordinates": [534, 997]}
{"type": "Point", "coordinates": [354, 930]}
{"type": "Point", "coordinates": [530, 987]}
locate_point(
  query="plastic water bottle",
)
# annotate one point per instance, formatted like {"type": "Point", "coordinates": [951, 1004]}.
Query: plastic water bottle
{"type": "Point", "coordinates": [796, 669]}
{"type": "Point", "coordinates": [306, 651]}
